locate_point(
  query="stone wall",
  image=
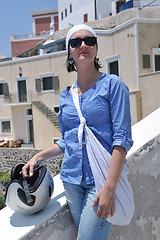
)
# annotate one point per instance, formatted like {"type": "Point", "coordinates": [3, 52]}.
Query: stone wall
{"type": "Point", "coordinates": [10, 156]}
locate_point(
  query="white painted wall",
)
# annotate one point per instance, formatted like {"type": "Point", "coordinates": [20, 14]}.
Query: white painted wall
{"type": "Point", "coordinates": [79, 8]}
{"type": "Point", "coordinates": [104, 8]}
{"type": "Point", "coordinates": [142, 3]}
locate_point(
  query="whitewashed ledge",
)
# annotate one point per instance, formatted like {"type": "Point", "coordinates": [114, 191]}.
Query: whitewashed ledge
{"type": "Point", "coordinates": [16, 226]}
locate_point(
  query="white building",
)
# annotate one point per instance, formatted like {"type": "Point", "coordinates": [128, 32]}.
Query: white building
{"type": "Point", "coordinates": [146, 3]}
{"type": "Point", "coordinates": [75, 12]}
{"type": "Point", "coordinates": [72, 12]}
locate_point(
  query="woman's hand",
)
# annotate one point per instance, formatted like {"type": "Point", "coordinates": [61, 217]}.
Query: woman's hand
{"type": "Point", "coordinates": [29, 166]}
{"type": "Point", "coordinates": [106, 202]}
{"type": "Point", "coordinates": [51, 152]}
{"type": "Point", "coordinates": [106, 197]}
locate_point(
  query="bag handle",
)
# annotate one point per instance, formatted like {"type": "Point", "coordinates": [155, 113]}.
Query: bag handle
{"type": "Point", "coordinates": [74, 91]}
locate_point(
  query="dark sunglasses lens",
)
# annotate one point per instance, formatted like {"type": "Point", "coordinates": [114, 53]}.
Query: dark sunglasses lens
{"type": "Point", "coordinates": [76, 42]}
{"type": "Point", "coordinates": [90, 41]}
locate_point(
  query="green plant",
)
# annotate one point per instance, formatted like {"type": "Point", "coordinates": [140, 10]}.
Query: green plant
{"type": "Point", "coordinates": [2, 204]}
{"type": "Point", "coordinates": [4, 177]}
{"type": "Point", "coordinates": [60, 163]}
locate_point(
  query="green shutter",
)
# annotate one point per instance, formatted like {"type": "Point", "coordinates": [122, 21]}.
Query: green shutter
{"type": "Point", "coordinates": [146, 61]}
{"type": "Point", "coordinates": [55, 83]}
{"type": "Point", "coordinates": [5, 89]}
{"type": "Point", "coordinates": [38, 85]}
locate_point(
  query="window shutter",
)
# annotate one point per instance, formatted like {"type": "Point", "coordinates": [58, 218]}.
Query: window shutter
{"type": "Point", "coordinates": [38, 84]}
{"type": "Point", "coordinates": [146, 61]}
{"type": "Point", "coordinates": [55, 83]}
{"type": "Point", "coordinates": [5, 89]}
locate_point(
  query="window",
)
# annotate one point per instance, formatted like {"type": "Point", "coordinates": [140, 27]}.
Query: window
{"type": "Point", "coordinates": [146, 61]}
{"type": "Point", "coordinates": [86, 17]}
{"type": "Point", "coordinates": [156, 59]}
{"type": "Point", "coordinates": [28, 112]}
{"type": "Point", "coordinates": [54, 140]}
{"type": "Point", "coordinates": [56, 109]}
{"type": "Point", "coordinates": [157, 62]}
{"type": "Point", "coordinates": [5, 126]}
{"type": "Point", "coordinates": [113, 65]}
{"type": "Point", "coordinates": [1, 88]}
{"type": "Point", "coordinates": [61, 15]}
{"type": "Point", "coordinates": [66, 12]}
{"type": "Point", "coordinates": [70, 8]}
{"type": "Point", "coordinates": [47, 83]}
{"type": "Point", "coordinates": [22, 89]}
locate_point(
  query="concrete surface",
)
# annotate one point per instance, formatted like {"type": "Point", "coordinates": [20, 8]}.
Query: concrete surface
{"type": "Point", "coordinates": [144, 167]}
{"type": "Point", "coordinates": [16, 226]}
{"type": "Point", "coordinates": [145, 130]}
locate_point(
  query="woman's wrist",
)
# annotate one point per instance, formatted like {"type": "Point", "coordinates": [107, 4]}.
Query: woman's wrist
{"type": "Point", "coordinates": [110, 185]}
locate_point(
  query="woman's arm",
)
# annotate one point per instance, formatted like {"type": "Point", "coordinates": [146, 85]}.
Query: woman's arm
{"type": "Point", "coordinates": [106, 197]}
{"type": "Point", "coordinates": [51, 152]}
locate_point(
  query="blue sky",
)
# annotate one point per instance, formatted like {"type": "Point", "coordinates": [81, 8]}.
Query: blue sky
{"type": "Point", "coordinates": [15, 18]}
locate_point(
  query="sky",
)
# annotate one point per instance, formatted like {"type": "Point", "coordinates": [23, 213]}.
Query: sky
{"type": "Point", "coordinates": [16, 19]}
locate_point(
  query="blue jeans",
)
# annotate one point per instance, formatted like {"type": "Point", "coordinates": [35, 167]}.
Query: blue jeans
{"type": "Point", "coordinates": [80, 199]}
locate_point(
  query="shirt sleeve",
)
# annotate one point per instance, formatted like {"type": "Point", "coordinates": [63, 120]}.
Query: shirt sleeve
{"type": "Point", "coordinates": [120, 113]}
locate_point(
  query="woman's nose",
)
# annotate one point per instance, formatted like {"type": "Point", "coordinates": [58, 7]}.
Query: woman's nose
{"type": "Point", "coordinates": [83, 44]}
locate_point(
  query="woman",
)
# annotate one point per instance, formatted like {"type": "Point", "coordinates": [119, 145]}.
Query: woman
{"type": "Point", "coordinates": [104, 102]}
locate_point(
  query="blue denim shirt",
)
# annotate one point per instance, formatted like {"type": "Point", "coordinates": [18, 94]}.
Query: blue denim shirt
{"type": "Point", "coordinates": [106, 109]}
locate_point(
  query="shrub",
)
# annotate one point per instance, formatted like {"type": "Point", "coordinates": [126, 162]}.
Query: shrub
{"type": "Point", "coordinates": [4, 177]}
{"type": "Point", "coordinates": [2, 204]}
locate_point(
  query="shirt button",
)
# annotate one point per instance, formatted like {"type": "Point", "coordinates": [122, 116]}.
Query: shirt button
{"type": "Point", "coordinates": [80, 160]}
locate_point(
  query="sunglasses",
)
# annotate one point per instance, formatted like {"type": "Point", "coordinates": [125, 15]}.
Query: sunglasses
{"type": "Point", "coordinates": [76, 42]}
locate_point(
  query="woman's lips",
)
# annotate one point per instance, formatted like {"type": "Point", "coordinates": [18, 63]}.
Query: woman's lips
{"type": "Point", "coordinates": [83, 52]}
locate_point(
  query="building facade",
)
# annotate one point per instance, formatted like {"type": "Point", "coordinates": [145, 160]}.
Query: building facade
{"type": "Point", "coordinates": [76, 12]}
{"type": "Point", "coordinates": [30, 87]}
{"type": "Point", "coordinates": [44, 23]}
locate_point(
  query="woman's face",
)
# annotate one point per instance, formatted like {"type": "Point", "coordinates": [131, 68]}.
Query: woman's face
{"type": "Point", "coordinates": [84, 53]}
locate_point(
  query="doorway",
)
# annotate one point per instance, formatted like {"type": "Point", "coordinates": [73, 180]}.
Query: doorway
{"type": "Point", "coordinates": [30, 131]}
{"type": "Point", "coordinates": [22, 90]}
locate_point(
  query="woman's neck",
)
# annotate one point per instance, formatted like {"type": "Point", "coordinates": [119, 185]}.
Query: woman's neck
{"type": "Point", "coordinates": [87, 78]}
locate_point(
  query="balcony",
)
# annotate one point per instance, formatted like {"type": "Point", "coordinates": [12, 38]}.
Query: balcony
{"type": "Point", "coordinates": [30, 36]}
{"type": "Point", "coordinates": [14, 99]}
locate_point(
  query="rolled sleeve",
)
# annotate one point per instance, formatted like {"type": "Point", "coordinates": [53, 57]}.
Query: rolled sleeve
{"type": "Point", "coordinates": [61, 144]}
{"type": "Point", "coordinates": [120, 114]}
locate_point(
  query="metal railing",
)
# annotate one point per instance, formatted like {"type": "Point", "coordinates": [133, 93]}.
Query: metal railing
{"type": "Point", "coordinates": [30, 35]}
{"type": "Point", "coordinates": [12, 98]}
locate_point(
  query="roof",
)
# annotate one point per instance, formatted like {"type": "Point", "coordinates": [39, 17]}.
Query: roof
{"type": "Point", "coordinates": [49, 11]}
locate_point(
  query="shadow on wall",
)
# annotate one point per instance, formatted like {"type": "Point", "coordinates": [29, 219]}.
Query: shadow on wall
{"type": "Point", "coordinates": [144, 167]}
{"type": "Point", "coordinates": [21, 220]}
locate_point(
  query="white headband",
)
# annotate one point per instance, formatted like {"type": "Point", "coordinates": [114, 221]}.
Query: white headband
{"type": "Point", "coordinates": [77, 28]}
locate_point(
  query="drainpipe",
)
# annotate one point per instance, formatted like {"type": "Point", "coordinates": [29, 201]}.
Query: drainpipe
{"type": "Point", "coordinates": [137, 52]}
{"type": "Point", "coordinates": [95, 9]}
